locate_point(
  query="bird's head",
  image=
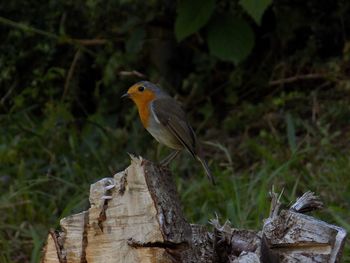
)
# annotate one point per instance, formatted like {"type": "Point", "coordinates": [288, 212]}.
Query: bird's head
{"type": "Point", "coordinates": [143, 92]}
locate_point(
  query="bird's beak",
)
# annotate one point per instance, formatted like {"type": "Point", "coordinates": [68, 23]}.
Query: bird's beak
{"type": "Point", "coordinates": [126, 95]}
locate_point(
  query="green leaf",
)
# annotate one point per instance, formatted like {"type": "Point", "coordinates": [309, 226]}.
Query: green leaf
{"type": "Point", "coordinates": [255, 8]}
{"type": "Point", "coordinates": [230, 38]}
{"type": "Point", "coordinates": [191, 16]}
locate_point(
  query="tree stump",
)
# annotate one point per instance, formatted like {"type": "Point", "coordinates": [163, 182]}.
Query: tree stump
{"type": "Point", "coordinates": [136, 216]}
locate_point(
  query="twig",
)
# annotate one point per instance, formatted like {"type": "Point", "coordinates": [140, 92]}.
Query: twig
{"type": "Point", "coordinates": [297, 78]}
{"type": "Point", "coordinates": [132, 73]}
{"type": "Point", "coordinates": [8, 93]}
{"type": "Point", "coordinates": [90, 42]}
{"type": "Point", "coordinates": [27, 28]}
{"type": "Point", "coordinates": [70, 73]}
{"type": "Point", "coordinates": [61, 39]}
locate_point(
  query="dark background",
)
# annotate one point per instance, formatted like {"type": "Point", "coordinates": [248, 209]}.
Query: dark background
{"type": "Point", "coordinates": [265, 84]}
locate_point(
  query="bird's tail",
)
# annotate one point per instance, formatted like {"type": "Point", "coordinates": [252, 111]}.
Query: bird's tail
{"type": "Point", "coordinates": [206, 169]}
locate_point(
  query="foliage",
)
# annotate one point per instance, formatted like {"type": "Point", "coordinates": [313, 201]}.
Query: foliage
{"type": "Point", "coordinates": [192, 15]}
{"type": "Point", "coordinates": [265, 85]}
{"type": "Point", "coordinates": [230, 38]}
{"type": "Point", "coordinates": [255, 8]}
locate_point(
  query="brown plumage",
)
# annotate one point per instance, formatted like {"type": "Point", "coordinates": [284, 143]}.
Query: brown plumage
{"type": "Point", "coordinates": [165, 120]}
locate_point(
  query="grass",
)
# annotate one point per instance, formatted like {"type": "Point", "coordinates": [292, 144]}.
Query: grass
{"type": "Point", "coordinates": [48, 164]}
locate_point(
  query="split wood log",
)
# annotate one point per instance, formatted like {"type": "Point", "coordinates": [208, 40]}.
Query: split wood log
{"type": "Point", "coordinates": [136, 216]}
{"type": "Point", "coordinates": [291, 236]}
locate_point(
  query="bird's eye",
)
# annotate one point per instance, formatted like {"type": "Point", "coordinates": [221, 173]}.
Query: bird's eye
{"type": "Point", "coordinates": [141, 88]}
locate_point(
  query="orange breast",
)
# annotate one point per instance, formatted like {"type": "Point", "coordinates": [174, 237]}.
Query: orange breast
{"type": "Point", "coordinates": [144, 113]}
{"type": "Point", "coordinates": [142, 102]}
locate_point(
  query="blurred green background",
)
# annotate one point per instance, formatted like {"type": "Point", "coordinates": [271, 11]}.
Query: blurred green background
{"type": "Point", "coordinates": [265, 84]}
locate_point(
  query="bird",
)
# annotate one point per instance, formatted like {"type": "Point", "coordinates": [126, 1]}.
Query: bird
{"type": "Point", "coordinates": [163, 117]}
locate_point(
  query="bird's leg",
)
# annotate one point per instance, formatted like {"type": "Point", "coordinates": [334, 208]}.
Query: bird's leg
{"type": "Point", "coordinates": [169, 158]}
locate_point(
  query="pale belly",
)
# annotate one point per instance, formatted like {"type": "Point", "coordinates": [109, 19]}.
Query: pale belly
{"type": "Point", "coordinates": [162, 135]}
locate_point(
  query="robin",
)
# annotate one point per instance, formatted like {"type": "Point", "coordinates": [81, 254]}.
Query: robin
{"type": "Point", "coordinates": [166, 121]}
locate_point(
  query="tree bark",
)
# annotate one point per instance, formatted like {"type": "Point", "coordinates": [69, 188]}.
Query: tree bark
{"type": "Point", "coordinates": [136, 216]}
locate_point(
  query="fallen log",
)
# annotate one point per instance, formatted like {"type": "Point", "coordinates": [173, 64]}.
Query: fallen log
{"type": "Point", "coordinates": [136, 216]}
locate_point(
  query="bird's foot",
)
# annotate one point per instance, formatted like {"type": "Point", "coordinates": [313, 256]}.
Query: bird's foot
{"type": "Point", "coordinates": [166, 161]}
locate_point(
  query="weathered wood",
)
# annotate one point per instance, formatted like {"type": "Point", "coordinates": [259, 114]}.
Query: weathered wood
{"type": "Point", "coordinates": [73, 237]}
{"type": "Point", "coordinates": [51, 252]}
{"type": "Point", "coordinates": [295, 237]}
{"type": "Point", "coordinates": [136, 216]}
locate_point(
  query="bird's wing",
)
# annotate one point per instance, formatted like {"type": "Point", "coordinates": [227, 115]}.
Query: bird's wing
{"type": "Point", "coordinates": [170, 114]}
